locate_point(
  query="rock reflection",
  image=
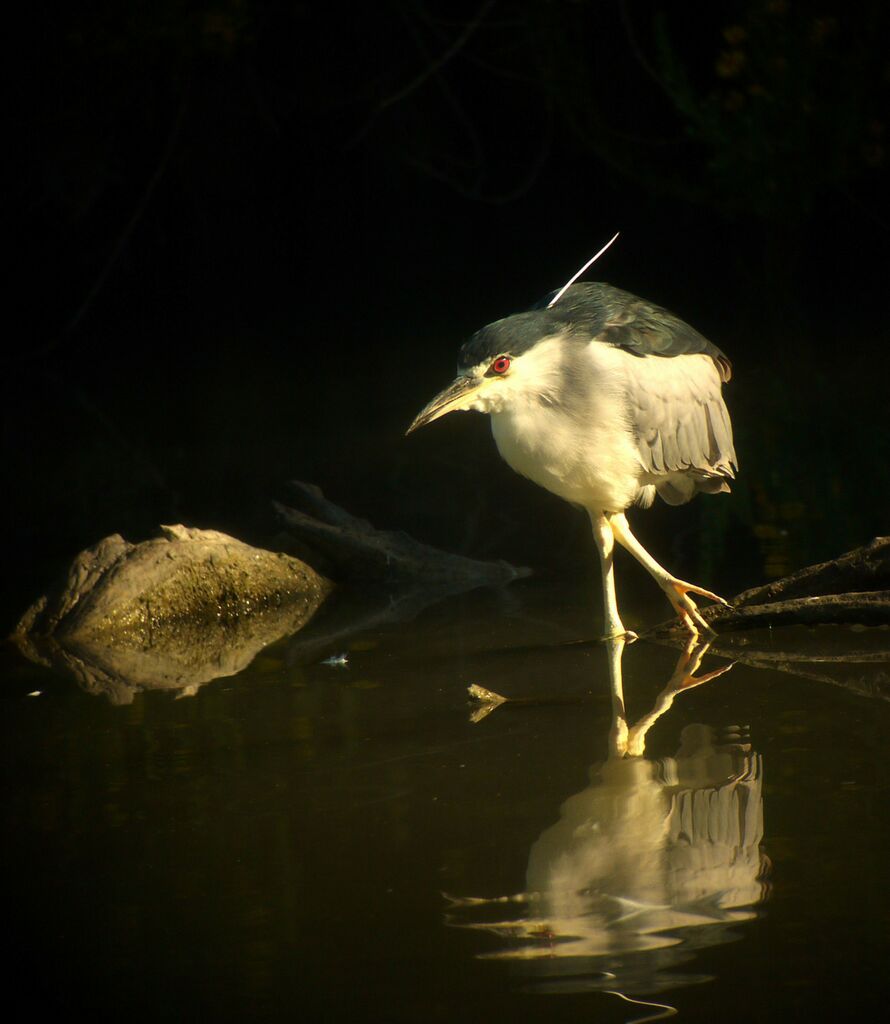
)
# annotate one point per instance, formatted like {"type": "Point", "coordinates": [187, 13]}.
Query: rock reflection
{"type": "Point", "coordinates": [181, 661]}
{"type": "Point", "coordinates": [652, 860]}
{"type": "Point", "coordinates": [171, 613]}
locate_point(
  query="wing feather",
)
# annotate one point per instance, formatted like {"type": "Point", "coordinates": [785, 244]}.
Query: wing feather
{"type": "Point", "coordinates": [656, 450]}
{"type": "Point", "coordinates": [681, 423]}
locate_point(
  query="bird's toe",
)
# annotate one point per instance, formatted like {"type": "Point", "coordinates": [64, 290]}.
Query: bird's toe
{"type": "Point", "coordinates": [682, 587]}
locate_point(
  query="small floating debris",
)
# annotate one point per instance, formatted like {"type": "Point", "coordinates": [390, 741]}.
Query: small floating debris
{"type": "Point", "coordinates": [486, 701]}
{"type": "Point", "coordinates": [337, 661]}
{"type": "Point", "coordinates": [35, 693]}
{"type": "Point", "coordinates": [484, 696]}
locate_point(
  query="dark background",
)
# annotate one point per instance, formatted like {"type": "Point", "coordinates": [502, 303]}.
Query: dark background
{"type": "Point", "coordinates": [247, 239]}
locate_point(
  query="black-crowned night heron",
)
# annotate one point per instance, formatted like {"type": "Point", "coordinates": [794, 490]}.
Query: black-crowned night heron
{"type": "Point", "coordinates": [606, 400]}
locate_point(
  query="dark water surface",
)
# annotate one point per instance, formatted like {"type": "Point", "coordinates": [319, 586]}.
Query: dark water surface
{"type": "Point", "coordinates": [308, 841]}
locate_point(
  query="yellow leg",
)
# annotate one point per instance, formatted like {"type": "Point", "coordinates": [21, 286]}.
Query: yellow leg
{"type": "Point", "coordinates": [618, 733]}
{"type": "Point", "coordinates": [605, 545]}
{"type": "Point", "coordinates": [677, 591]}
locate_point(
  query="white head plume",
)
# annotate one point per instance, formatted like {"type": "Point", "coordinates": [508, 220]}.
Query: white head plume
{"type": "Point", "coordinates": [578, 273]}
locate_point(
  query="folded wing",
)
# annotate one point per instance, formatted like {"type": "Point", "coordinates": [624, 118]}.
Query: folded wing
{"type": "Point", "coordinates": [682, 427]}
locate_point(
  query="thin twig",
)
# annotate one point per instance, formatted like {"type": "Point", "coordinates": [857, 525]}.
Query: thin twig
{"type": "Point", "coordinates": [436, 65]}
{"type": "Point", "coordinates": [123, 238]}
{"type": "Point", "coordinates": [432, 67]}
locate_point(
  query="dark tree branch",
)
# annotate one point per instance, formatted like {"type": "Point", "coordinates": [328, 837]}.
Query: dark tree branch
{"type": "Point", "coordinates": [854, 588]}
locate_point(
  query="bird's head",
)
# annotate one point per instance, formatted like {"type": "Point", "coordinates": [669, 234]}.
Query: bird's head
{"type": "Point", "coordinates": [519, 358]}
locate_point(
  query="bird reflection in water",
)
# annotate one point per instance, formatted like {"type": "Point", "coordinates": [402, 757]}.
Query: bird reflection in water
{"type": "Point", "coordinates": [651, 861]}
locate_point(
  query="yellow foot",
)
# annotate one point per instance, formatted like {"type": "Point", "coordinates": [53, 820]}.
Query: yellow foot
{"type": "Point", "coordinates": [684, 677]}
{"type": "Point", "coordinates": [678, 593]}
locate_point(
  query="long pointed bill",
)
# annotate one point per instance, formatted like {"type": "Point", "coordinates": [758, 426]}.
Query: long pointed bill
{"type": "Point", "coordinates": [453, 397]}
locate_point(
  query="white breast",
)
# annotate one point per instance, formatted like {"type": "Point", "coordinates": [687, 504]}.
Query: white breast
{"type": "Point", "coordinates": [580, 447]}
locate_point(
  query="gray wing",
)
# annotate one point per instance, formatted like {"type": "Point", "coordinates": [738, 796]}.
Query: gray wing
{"type": "Point", "coordinates": [640, 327]}
{"type": "Point", "coordinates": [682, 427]}
{"type": "Point", "coordinates": [673, 379]}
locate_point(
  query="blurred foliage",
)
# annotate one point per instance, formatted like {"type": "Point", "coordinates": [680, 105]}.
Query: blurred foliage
{"type": "Point", "coordinates": [796, 103]}
{"type": "Point", "coordinates": [752, 109]}
{"type": "Point", "coordinates": [782, 100]}
{"type": "Point", "coordinates": [752, 106]}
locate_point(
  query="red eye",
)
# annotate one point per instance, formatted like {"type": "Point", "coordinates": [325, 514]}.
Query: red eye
{"type": "Point", "coordinates": [500, 365]}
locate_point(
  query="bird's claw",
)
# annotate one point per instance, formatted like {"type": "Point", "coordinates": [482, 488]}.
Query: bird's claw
{"type": "Point", "coordinates": [678, 592]}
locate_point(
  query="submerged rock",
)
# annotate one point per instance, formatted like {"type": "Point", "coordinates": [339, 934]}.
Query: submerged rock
{"type": "Point", "coordinates": [172, 613]}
